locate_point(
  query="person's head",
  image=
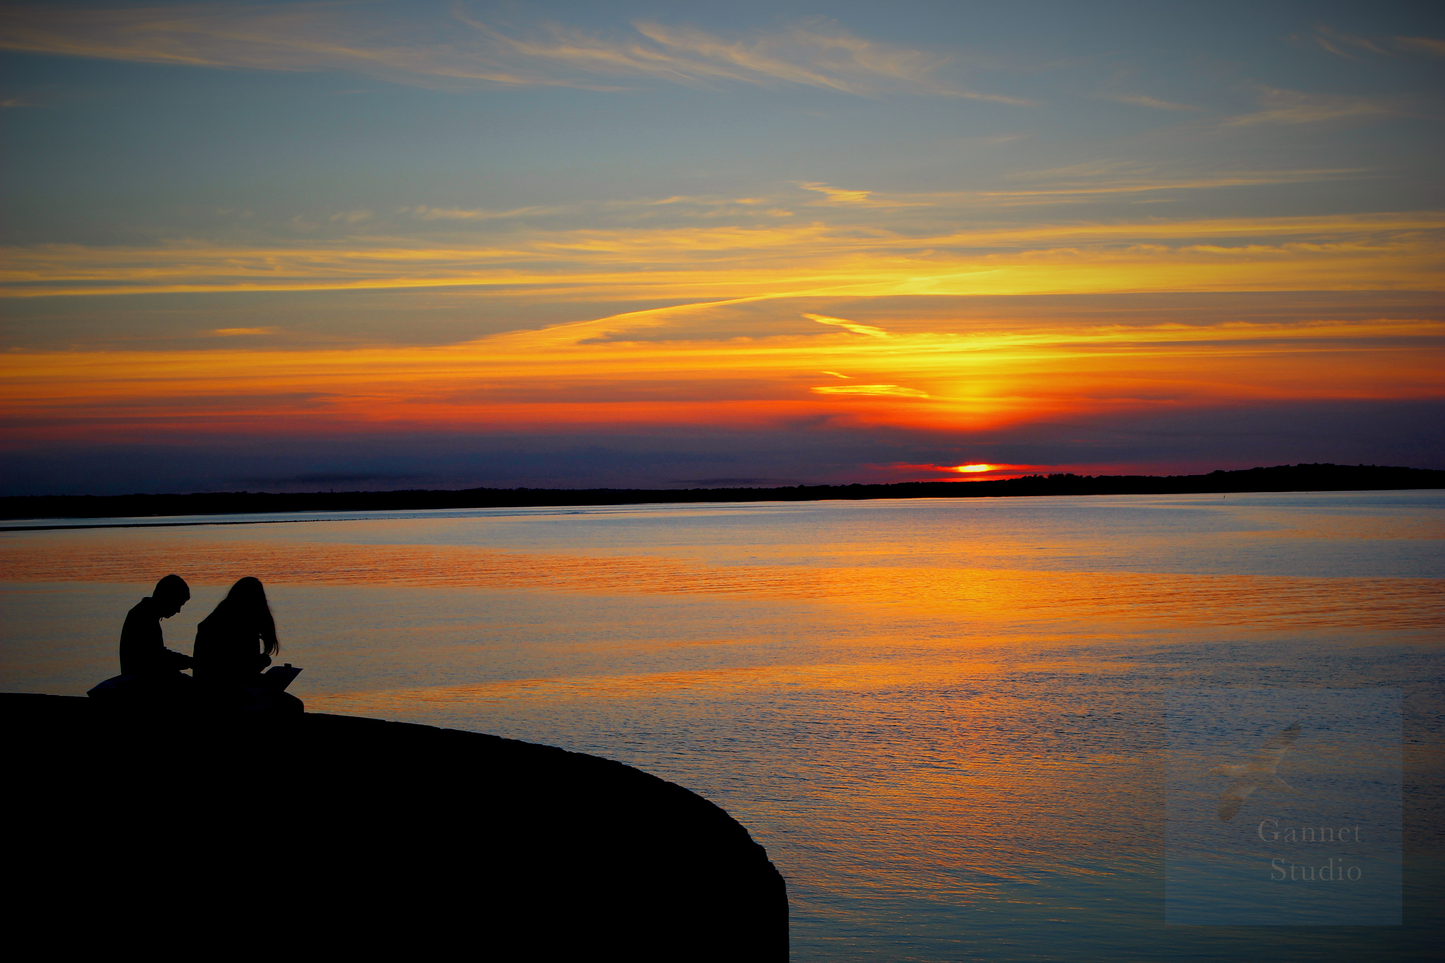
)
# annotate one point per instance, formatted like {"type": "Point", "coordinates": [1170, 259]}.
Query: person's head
{"type": "Point", "coordinates": [246, 602]}
{"type": "Point", "coordinates": [170, 594]}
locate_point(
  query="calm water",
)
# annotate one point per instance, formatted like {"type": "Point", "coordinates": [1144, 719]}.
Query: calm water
{"type": "Point", "coordinates": [943, 718]}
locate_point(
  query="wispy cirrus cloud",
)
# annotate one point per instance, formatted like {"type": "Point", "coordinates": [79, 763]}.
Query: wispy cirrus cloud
{"type": "Point", "coordinates": [694, 206]}
{"type": "Point", "coordinates": [1352, 46]}
{"type": "Point", "coordinates": [854, 326]}
{"type": "Point", "coordinates": [870, 391]}
{"type": "Point", "coordinates": [297, 37]}
{"type": "Point", "coordinates": [462, 48]}
{"type": "Point", "coordinates": [836, 195]}
{"type": "Point", "coordinates": [1079, 182]}
{"type": "Point", "coordinates": [241, 332]}
{"type": "Point", "coordinates": [424, 213]}
{"type": "Point", "coordinates": [1342, 44]}
{"type": "Point", "coordinates": [1144, 100]}
{"type": "Point", "coordinates": [786, 257]}
{"type": "Point", "coordinates": [1066, 186]}
{"type": "Point", "coordinates": [1428, 45]}
{"type": "Point", "coordinates": [1280, 106]}
{"type": "Point", "coordinates": [1062, 187]}
{"type": "Point", "coordinates": [816, 54]}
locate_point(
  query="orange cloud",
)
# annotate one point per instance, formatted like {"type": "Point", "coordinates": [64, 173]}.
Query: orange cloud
{"type": "Point", "coordinates": [872, 391]}
{"type": "Point", "coordinates": [853, 326]}
{"type": "Point", "coordinates": [785, 259]}
{"type": "Point", "coordinates": [628, 370]}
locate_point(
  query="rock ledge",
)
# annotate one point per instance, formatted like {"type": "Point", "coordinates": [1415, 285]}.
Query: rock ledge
{"type": "Point", "coordinates": [339, 834]}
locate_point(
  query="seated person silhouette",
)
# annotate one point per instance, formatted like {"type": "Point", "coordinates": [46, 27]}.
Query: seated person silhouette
{"type": "Point", "coordinates": [150, 674]}
{"type": "Point", "coordinates": [234, 643]}
{"type": "Point", "coordinates": [142, 646]}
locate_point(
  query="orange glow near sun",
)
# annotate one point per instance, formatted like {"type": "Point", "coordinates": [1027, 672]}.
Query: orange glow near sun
{"type": "Point", "coordinates": [684, 365]}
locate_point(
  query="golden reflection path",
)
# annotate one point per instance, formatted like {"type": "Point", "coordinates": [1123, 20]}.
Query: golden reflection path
{"type": "Point", "coordinates": [1257, 601]}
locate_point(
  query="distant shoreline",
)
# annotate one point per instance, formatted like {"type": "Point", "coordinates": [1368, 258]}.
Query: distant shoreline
{"type": "Point", "coordinates": [1322, 477]}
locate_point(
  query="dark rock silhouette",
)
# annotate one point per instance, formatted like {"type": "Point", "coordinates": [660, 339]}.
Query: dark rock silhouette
{"type": "Point", "coordinates": [332, 834]}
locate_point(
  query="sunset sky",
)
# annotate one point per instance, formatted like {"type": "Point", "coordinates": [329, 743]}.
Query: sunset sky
{"type": "Point", "coordinates": [368, 245]}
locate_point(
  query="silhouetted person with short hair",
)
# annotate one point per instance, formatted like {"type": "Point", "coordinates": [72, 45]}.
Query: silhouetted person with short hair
{"type": "Point", "coordinates": [235, 643]}
{"type": "Point", "coordinates": [142, 646]}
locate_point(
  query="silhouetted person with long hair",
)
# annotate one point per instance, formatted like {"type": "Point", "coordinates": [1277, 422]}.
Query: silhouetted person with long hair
{"type": "Point", "coordinates": [142, 646]}
{"type": "Point", "coordinates": [235, 643]}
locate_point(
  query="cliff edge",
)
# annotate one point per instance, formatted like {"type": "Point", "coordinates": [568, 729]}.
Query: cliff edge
{"type": "Point", "coordinates": [338, 834]}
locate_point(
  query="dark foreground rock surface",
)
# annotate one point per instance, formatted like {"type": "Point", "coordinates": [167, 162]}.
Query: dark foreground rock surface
{"type": "Point", "coordinates": [330, 834]}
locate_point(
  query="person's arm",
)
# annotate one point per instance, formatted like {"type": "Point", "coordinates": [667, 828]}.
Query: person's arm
{"type": "Point", "coordinates": [177, 660]}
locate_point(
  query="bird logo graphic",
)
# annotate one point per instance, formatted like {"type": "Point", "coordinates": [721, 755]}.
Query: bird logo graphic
{"type": "Point", "coordinates": [1258, 773]}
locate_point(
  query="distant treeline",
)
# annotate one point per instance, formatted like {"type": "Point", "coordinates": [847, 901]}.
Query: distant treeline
{"type": "Point", "coordinates": [1282, 478]}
